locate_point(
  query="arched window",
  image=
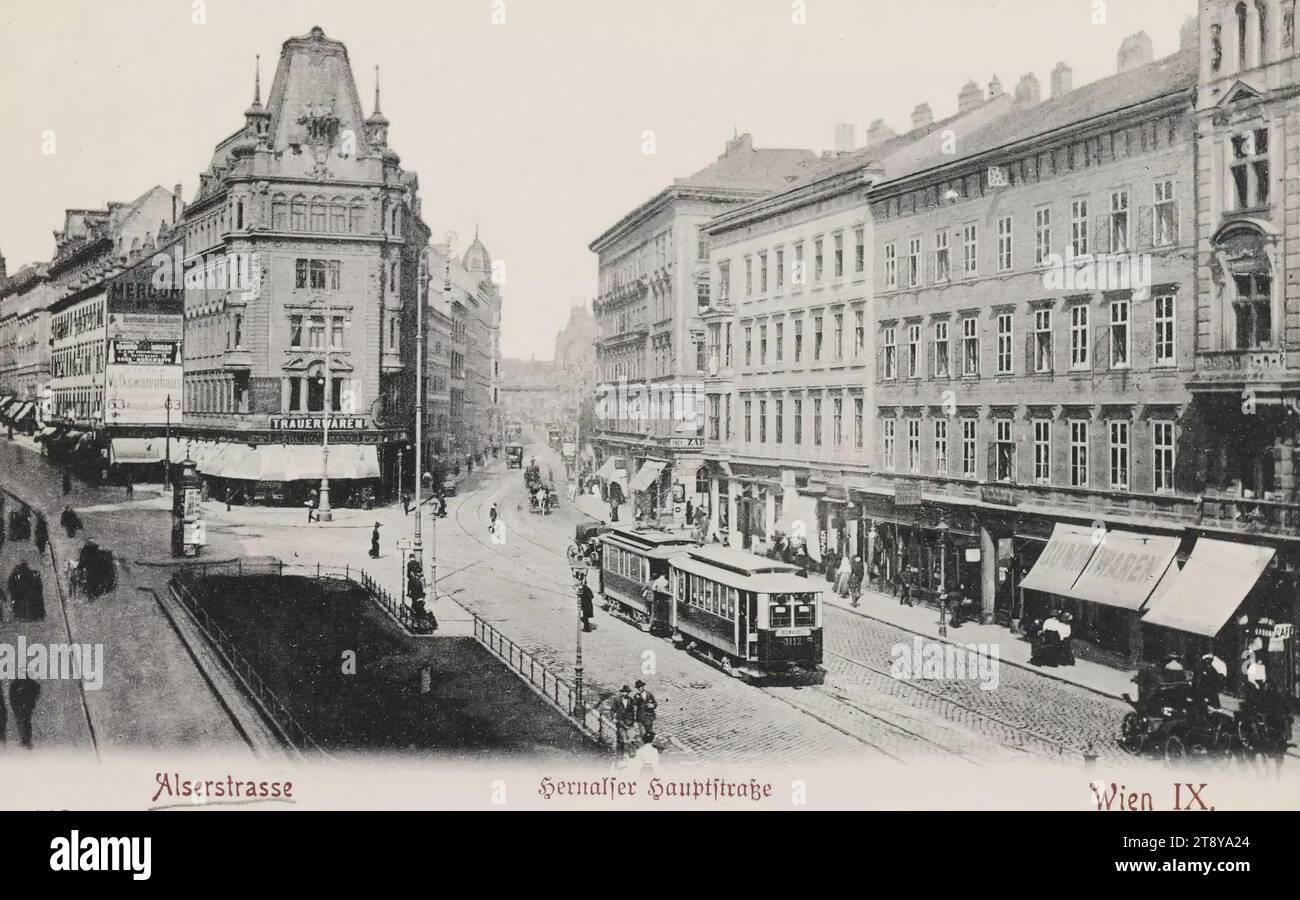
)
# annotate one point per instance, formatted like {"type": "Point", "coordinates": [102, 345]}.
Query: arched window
{"type": "Point", "coordinates": [279, 213]}
{"type": "Point", "coordinates": [338, 215]}
{"type": "Point", "coordinates": [298, 214]}
{"type": "Point", "coordinates": [357, 217]}
{"type": "Point", "coordinates": [1241, 35]}
{"type": "Point", "coordinates": [318, 214]}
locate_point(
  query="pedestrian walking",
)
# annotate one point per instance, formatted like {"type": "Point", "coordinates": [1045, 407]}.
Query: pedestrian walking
{"type": "Point", "coordinates": [67, 484]}
{"type": "Point", "coordinates": [856, 572]}
{"type": "Point", "coordinates": [130, 494]}
{"type": "Point", "coordinates": [585, 604]}
{"type": "Point", "coordinates": [23, 693]}
{"type": "Point", "coordinates": [42, 536]}
{"type": "Point", "coordinates": [624, 717]}
{"type": "Point", "coordinates": [492, 519]}
{"type": "Point", "coordinates": [842, 575]}
{"type": "Point", "coordinates": [645, 711]}
{"type": "Point", "coordinates": [70, 521]}
{"type": "Point", "coordinates": [406, 503]}
{"type": "Point", "coordinates": [374, 542]}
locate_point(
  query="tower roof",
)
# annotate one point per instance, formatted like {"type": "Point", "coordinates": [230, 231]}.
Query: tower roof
{"type": "Point", "coordinates": [477, 258]}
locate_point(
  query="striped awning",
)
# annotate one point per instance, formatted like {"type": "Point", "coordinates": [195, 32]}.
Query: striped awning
{"type": "Point", "coordinates": [287, 462]}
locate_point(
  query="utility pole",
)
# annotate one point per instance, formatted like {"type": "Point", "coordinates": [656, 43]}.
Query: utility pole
{"type": "Point", "coordinates": [323, 511]}
{"type": "Point", "coordinates": [422, 297]}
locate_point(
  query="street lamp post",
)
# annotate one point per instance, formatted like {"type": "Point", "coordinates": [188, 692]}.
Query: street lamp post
{"type": "Point", "coordinates": [942, 528]}
{"type": "Point", "coordinates": [417, 470]}
{"type": "Point", "coordinates": [323, 511]}
{"type": "Point", "coordinates": [579, 579]}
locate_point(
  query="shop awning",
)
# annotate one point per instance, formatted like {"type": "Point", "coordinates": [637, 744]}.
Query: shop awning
{"type": "Point", "coordinates": [1125, 569]}
{"type": "Point", "coordinates": [21, 410]}
{"type": "Point", "coordinates": [47, 432]}
{"type": "Point", "coordinates": [5, 401]}
{"type": "Point", "coordinates": [296, 462]}
{"type": "Point", "coordinates": [642, 480]}
{"type": "Point", "coordinates": [1062, 560]}
{"type": "Point", "coordinates": [137, 451]}
{"type": "Point", "coordinates": [610, 471]}
{"type": "Point", "coordinates": [1217, 577]}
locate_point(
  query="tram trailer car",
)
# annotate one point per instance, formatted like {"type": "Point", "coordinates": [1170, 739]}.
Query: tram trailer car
{"type": "Point", "coordinates": [755, 618]}
{"type": "Point", "coordinates": [514, 456]}
{"type": "Point", "coordinates": [631, 558]}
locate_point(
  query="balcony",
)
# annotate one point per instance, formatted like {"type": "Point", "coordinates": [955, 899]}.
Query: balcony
{"type": "Point", "coordinates": [1249, 515]}
{"type": "Point", "coordinates": [239, 360]}
{"type": "Point", "coordinates": [1227, 368]}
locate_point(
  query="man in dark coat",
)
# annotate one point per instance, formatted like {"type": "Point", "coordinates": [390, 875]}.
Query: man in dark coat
{"type": "Point", "coordinates": [645, 711]}
{"type": "Point", "coordinates": [625, 718]}
{"type": "Point", "coordinates": [22, 694]}
{"type": "Point", "coordinates": [374, 542]}
{"type": "Point", "coordinates": [28, 593]}
{"type": "Point", "coordinates": [70, 521]}
{"type": "Point", "coordinates": [585, 603]}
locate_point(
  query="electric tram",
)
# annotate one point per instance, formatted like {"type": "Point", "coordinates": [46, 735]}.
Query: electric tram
{"type": "Point", "coordinates": [755, 618]}
{"type": "Point", "coordinates": [632, 558]}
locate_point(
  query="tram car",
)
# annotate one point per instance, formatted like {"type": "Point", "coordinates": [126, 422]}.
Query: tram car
{"type": "Point", "coordinates": [753, 617]}
{"type": "Point", "coordinates": [631, 558]}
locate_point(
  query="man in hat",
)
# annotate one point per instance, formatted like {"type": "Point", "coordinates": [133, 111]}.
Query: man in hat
{"type": "Point", "coordinates": [645, 711]}
{"type": "Point", "coordinates": [625, 718]}
{"type": "Point", "coordinates": [586, 607]}
{"type": "Point", "coordinates": [374, 542]}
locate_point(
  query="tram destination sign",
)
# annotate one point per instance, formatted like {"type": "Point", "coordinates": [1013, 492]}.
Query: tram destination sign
{"type": "Point", "coordinates": [317, 423]}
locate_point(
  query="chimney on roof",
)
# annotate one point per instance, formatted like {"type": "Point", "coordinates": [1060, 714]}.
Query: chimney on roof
{"type": "Point", "coordinates": [878, 133]}
{"type": "Point", "coordinates": [1190, 34]}
{"type": "Point", "coordinates": [1134, 51]}
{"type": "Point", "coordinates": [741, 142]}
{"type": "Point", "coordinates": [971, 97]}
{"type": "Point", "coordinates": [1062, 80]}
{"type": "Point", "coordinates": [1028, 90]}
{"type": "Point", "coordinates": [846, 135]}
{"type": "Point", "coordinates": [995, 88]}
{"type": "Point", "coordinates": [922, 116]}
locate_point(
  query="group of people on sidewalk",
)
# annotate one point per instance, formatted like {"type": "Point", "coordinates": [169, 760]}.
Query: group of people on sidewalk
{"type": "Point", "coordinates": [634, 710]}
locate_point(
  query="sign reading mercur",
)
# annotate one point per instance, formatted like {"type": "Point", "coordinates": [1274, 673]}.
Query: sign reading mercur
{"type": "Point", "coordinates": [317, 423]}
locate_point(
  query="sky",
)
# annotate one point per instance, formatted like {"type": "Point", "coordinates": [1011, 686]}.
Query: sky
{"type": "Point", "coordinates": [523, 118]}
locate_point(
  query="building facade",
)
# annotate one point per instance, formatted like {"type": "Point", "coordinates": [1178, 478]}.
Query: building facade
{"type": "Point", "coordinates": [1034, 327]}
{"type": "Point", "coordinates": [302, 263]}
{"type": "Point", "coordinates": [650, 341]}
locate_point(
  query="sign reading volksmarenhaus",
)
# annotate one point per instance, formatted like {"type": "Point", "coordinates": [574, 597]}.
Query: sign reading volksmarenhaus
{"type": "Point", "coordinates": [317, 423]}
{"type": "Point", "coordinates": [144, 353]}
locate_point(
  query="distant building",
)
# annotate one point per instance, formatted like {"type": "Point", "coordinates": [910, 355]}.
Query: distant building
{"type": "Point", "coordinates": [649, 336]}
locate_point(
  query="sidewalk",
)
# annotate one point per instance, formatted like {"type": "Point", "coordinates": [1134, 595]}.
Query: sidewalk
{"type": "Point", "coordinates": [1012, 648]}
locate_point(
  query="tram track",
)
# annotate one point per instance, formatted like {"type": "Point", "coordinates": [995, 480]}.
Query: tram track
{"type": "Point", "coordinates": [1011, 735]}
{"type": "Point", "coordinates": [937, 726]}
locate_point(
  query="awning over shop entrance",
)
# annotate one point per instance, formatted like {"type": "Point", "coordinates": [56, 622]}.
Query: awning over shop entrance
{"type": "Point", "coordinates": [610, 471]}
{"type": "Point", "coordinates": [1217, 577]}
{"type": "Point", "coordinates": [137, 451]}
{"type": "Point", "coordinates": [1124, 569]}
{"type": "Point", "coordinates": [296, 462]}
{"type": "Point", "coordinates": [642, 480]}
{"type": "Point", "coordinates": [21, 411]}
{"type": "Point", "coordinates": [1062, 560]}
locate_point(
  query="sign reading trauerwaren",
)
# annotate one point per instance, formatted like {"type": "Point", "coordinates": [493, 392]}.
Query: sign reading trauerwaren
{"type": "Point", "coordinates": [317, 423]}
